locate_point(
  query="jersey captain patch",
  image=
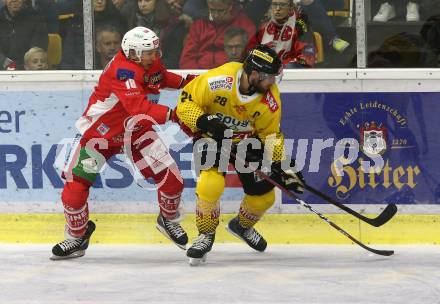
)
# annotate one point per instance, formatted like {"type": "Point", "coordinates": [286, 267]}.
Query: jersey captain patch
{"type": "Point", "coordinates": [124, 74]}
{"type": "Point", "coordinates": [220, 83]}
{"type": "Point", "coordinates": [270, 101]}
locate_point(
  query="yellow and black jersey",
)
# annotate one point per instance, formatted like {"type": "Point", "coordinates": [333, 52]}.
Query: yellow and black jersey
{"type": "Point", "coordinates": [217, 92]}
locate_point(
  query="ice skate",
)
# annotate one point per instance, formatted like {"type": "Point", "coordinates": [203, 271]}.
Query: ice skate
{"type": "Point", "coordinates": [249, 235]}
{"type": "Point", "coordinates": [198, 251]}
{"type": "Point", "coordinates": [173, 231]}
{"type": "Point", "coordinates": [73, 247]}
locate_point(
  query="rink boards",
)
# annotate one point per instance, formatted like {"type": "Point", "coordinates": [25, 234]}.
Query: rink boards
{"type": "Point", "coordinates": [276, 228]}
{"type": "Point", "coordinates": [37, 115]}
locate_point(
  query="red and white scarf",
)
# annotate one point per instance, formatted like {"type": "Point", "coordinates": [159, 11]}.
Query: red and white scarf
{"type": "Point", "coordinates": [281, 42]}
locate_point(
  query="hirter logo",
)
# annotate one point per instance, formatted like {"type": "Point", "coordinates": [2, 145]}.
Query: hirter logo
{"type": "Point", "coordinates": [270, 101]}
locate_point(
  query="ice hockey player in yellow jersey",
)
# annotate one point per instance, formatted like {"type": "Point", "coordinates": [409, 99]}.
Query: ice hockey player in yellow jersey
{"type": "Point", "coordinates": [242, 99]}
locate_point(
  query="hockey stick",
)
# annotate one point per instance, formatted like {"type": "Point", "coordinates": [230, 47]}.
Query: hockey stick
{"type": "Point", "coordinates": [304, 204]}
{"type": "Point", "coordinates": [387, 214]}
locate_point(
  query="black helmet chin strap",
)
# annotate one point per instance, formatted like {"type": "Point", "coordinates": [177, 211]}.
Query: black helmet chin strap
{"type": "Point", "coordinates": [251, 91]}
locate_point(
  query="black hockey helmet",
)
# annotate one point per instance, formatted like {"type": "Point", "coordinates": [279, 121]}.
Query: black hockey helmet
{"type": "Point", "coordinates": [262, 59]}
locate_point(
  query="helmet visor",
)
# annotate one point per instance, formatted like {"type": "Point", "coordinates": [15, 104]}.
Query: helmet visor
{"type": "Point", "coordinates": [272, 78]}
{"type": "Point", "coordinates": [154, 52]}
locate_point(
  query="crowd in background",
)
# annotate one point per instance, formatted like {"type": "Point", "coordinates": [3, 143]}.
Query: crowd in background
{"type": "Point", "coordinates": [202, 34]}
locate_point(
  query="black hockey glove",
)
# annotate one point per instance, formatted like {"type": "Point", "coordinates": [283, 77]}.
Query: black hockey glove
{"type": "Point", "coordinates": [288, 178]}
{"type": "Point", "coordinates": [251, 155]}
{"type": "Point", "coordinates": [212, 126]}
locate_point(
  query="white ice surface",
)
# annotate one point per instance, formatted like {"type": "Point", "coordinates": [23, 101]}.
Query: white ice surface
{"type": "Point", "coordinates": [232, 274]}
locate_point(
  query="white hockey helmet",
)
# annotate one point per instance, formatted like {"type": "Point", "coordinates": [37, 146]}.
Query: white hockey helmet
{"type": "Point", "coordinates": [139, 39]}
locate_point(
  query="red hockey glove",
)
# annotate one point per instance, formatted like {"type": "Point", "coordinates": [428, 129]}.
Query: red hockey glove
{"type": "Point", "coordinates": [187, 79]}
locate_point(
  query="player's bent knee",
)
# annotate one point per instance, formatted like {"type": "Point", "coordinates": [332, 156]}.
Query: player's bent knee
{"type": "Point", "coordinates": [210, 185]}
{"type": "Point", "coordinates": [172, 183]}
{"type": "Point", "coordinates": [75, 194]}
{"type": "Point", "coordinates": [258, 204]}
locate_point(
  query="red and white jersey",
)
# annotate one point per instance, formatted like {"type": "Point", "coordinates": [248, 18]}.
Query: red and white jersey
{"type": "Point", "coordinates": [124, 90]}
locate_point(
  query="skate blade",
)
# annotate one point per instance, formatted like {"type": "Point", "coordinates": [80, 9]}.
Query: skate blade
{"type": "Point", "coordinates": [76, 254]}
{"type": "Point", "coordinates": [197, 261]}
{"type": "Point", "coordinates": [163, 231]}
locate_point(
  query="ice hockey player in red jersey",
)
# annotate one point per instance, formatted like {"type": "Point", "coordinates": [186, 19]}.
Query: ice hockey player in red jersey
{"type": "Point", "coordinates": [119, 118]}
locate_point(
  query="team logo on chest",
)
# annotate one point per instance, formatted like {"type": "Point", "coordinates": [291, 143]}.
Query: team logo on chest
{"type": "Point", "coordinates": [240, 109]}
{"type": "Point", "coordinates": [154, 79]}
{"type": "Point", "coordinates": [220, 83]}
{"type": "Point", "coordinates": [124, 74]}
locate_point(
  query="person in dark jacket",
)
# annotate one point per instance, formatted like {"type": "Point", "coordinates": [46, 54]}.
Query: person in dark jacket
{"type": "Point", "coordinates": [153, 14]}
{"type": "Point", "coordinates": [165, 20]}
{"type": "Point", "coordinates": [73, 43]}
{"type": "Point", "coordinates": [430, 34]}
{"type": "Point", "coordinates": [21, 28]}
{"type": "Point", "coordinates": [105, 14]}
{"type": "Point", "coordinates": [48, 10]}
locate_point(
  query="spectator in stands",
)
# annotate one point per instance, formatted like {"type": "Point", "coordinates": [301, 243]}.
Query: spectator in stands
{"type": "Point", "coordinates": [402, 50]}
{"type": "Point", "coordinates": [124, 7]}
{"type": "Point", "coordinates": [173, 35]}
{"type": "Point", "coordinates": [430, 34]}
{"type": "Point", "coordinates": [254, 9]}
{"type": "Point", "coordinates": [204, 46]}
{"type": "Point", "coordinates": [21, 28]}
{"type": "Point", "coordinates": [164, 18]}
{"type": "Point", "coordinates": [119, 4]}
{"type": "Point", "coordinates": [153, 14]}
{"type": "Point", "coordinates": [35, 59]}
{"type": "Point", "coordinates": [47, 9]}
{"type": "Point", "coordinates": [73, 37]}
{"type": "Point", "coordinates": [392, 8]}
{"type": "Point", "coordinates": [180, 8]}
{"type": "Point", "coordinates": [288, 34]}
{"type": "Point", "coordinates": [316, 11]}
{"type": "Point", "coordinates": [104, 13]}
{"type": "Point", "coordinates": [107, 44]}
{"type": "Point", "coordinates": [176, 5]}
{"type": "Point", "coordinates": [195, 9]}
{"type": "Point", "coordinates": [235, 43]}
